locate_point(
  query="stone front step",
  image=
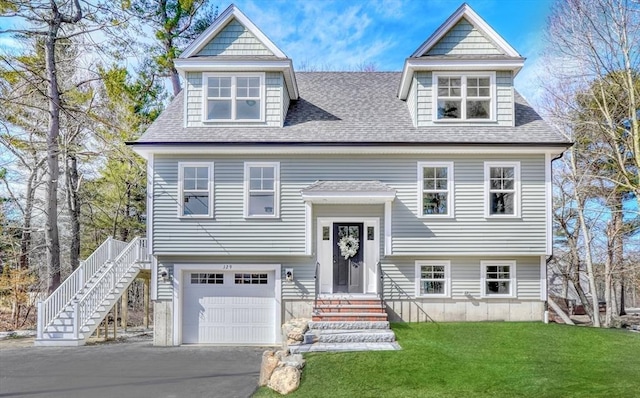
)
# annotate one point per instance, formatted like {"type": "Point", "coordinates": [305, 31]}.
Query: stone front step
{"type": "Point", "coordinates": [342, 302]}
{"type": "Point", "coordinates": [354, 336]}
{"type": "Point", "coordinates": [343, 347]}
{"type": "Point", "coordinates": [361, 308]}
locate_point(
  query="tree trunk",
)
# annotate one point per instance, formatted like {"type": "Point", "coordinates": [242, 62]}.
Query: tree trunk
{"type": "Point", "coordinates": [73, 203]}
{"type": "Point", "coordinates": [53, 151]}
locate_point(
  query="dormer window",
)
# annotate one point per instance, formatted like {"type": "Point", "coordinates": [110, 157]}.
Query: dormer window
{"type": "Point", "coordinates": [233, 97]}
{"type": "Point", "coordinates": [464, 97]}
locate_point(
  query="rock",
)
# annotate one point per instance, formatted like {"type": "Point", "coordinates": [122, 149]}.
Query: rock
{"type": "Point", "coordinates": [293, 331]}
{"type": "Point", "coordinates": [294, 360]}
{"type": "Point", "coordinates": [285, 379]}
{"type": "Point", "coordinates": [270, 361]}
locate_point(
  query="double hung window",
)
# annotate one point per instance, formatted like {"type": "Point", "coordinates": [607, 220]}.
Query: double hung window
{"type": "Point", "coordinates": [502, 186]}
{"type": "Point", "coordinates": [464, 97]}
{"type": "Point", "coordinates": [196, 196]}
{"type": "Point", "coordinates": [435, 193]}
{"type": "Point", "coordinates": [262, 183]}
{"type": "Point", "coordinates": [433, 278]}
{"type": "Point", "coordinates": [233, 97]}
{"type": "Point", "coordinates": [498, 278]}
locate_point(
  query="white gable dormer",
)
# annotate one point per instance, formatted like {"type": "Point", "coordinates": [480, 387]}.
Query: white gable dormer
{"type": "Point", "coordinates": [462, 75]}
{"type": "Point", "coordinates": [235, 75]}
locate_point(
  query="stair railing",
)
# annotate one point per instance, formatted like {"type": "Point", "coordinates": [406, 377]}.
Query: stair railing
{"type": "Point", "coordinates": [317, 286]}
{"type": "Point", "coordinates": [57, 301]}
{"type": "Point", "coordinates": [91, 301]}
{"type": "Point", "coordinates": [380, 281]}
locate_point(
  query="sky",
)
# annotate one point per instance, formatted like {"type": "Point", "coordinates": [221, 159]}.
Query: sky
{"type": "Point", "coordinates": [342, 34]}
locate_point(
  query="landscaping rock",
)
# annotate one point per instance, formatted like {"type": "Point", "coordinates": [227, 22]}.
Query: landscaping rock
{"type": "Point", "coordinates": [294, 360]}
{"type": "Point", "coordinates": [293, 331]}
{"type": "Point", "coordinates": [285, 379]}
{"type": "Point", "coordinates": [270, 361]}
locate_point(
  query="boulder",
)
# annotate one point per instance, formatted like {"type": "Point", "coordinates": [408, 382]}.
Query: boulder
{"type": "Point", "coordinates": [270, 361]}
{"type": "Point", "coordinates": [285, 379]}
{"type": "Point", "coordinates": [294, 360]}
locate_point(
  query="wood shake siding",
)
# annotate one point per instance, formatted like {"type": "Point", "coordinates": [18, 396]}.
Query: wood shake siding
{"type": "Point", "coordinates": [235, 40]}
{"type": "Point", "coordinates": [424, 98]}
{"type": "Point", "coordinates": [229, 233]}
{"type": "Point", "coordinates": [464, 39]}
{"type": "Point", "coordinates": [194, 99]}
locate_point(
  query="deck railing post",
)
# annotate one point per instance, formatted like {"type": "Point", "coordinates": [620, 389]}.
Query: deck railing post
{"type": "Point", "coordinates": [110, 249]}
{"type": "Point", "coordinates": [81, 281]}
{"type": "Point", "coordinates": [40, 325]}
{"type": "Point", "coordinates": [76, 321]}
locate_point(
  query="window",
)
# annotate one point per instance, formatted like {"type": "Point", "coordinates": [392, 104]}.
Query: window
{"type": "Point", "coordinates": [207, 279]}
{"type": "Point", "coordinates": [233, 97]}
{"type": "Point", "coordinates": [498, 278]}
{"type": "Point", "coordinates": [196, 198]}
{"type": "Point", "coordinates": [435, 192]}
{"type": "Point", "coordinates": [464, 97]}
{"type": "Point", "coordinates": [433, 278]}
{"type": "Point", "coordinates": [502, 189]}
{"type": "Point", "coordinates": [262, 185]}
{"type": "Point", "coordinates": [251, 279]}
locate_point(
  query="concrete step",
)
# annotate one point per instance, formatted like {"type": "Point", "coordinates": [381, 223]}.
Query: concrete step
{"type": "Point", "coordinates": [341, 302]}
{"type": "Point", "coordinates": [344, 347]}
{"type": "Point", "coordinates": [354, 336]}
{"type": "Point", "coordinates": [319, 325]}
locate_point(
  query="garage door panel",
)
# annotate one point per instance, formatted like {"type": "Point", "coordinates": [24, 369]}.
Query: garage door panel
{"type": "Point", "coordinates": [229, 312]}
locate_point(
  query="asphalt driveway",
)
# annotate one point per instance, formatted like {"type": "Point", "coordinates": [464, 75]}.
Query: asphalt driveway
{"type": "Point", "coordinates": [130, 369]}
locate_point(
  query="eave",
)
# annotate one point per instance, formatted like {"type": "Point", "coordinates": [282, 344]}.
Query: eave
{"type": "Point", "coordinates": [220, 65]}
{"type": "Point", "coordinates": [412, 65]}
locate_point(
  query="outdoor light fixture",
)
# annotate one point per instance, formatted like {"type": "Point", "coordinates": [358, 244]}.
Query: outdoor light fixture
{"type": "Point", "coordinates": [288, 274]}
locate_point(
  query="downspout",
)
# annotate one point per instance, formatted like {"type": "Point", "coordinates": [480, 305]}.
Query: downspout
{"type": "Point", "coordinates": [549, 258]}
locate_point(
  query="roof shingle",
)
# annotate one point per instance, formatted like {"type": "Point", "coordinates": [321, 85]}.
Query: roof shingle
{"type": "Point", "coordinates": [351, 108]}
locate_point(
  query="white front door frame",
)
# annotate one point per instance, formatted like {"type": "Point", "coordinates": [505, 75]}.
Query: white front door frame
{"type": "Point", "coordinates": [181, 273]}
{"type": "Point", "coordinates": [324, 250]}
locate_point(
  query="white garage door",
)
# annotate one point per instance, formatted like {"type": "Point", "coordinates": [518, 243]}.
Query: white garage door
{"type": "Point", "coordinates": [229, 308]}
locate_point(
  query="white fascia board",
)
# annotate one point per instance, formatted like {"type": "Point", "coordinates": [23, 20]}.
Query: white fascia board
{"type": "Point", "coordinates": [348, 197]}
{"type": "Point", "coordinates": [457, 65]}
{"type": "Point", "coordinates": [213, 65]}
{"type": "Point", "coordinates": [231, 12]}
{"type": "Point", "coordinates": [477, 21]}
{"type": "Point", "coordinates": [418, 149]}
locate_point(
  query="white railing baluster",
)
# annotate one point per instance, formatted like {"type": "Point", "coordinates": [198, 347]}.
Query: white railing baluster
{"type": "Point", "coordinates": [40, 324]}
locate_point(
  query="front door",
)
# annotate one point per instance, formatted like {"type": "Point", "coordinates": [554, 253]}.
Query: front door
{"type": "Point", "coordinates": [347, 258]}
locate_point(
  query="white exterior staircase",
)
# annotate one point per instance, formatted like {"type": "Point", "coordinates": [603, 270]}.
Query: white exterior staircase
{"type": "Point", "coordinates": [73, 311]}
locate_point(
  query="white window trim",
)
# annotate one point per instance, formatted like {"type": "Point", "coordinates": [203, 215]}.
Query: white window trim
{"type": "Point", "coordinates": [463, 111]}
{"type": "Point", "coordinates": [276, 188]}
{"type": "Point", "coordinates": [181, 166]}
{"type": "Point", "coordinates": [263, 96]}
{"type": "Point", "coordinates": [512, 278]}
{"type": "Point", "coordinates": [517, 188]}
{"type": "Point", "coordinates": [450, 187]}
{"type": "Point", "coordinates": [447, 277]}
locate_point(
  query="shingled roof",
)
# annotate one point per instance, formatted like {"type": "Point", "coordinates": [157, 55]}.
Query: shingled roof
{"type": "Point", "coordinates": [351, 108]}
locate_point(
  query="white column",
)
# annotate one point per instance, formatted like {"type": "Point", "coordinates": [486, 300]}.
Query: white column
{"type": "Point", "coordinates": [387, 227]}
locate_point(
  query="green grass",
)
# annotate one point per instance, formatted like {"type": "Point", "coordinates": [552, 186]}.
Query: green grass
{"type": "Point", "coordinates": [482, 360]}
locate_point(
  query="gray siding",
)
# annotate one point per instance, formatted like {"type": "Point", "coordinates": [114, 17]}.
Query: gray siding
{"type": "Point", "coordinates": [286, 100]}
{"type": "Point", "coordinates": [464, 39]}
{"type": "Point", "coordinates": [400, 280]}
{"type": "Point", "coordinates": [504, 101]}
{"type": "Point", "coordinates": [234, 39]}
{"type": "Point", "coordinates": [274, 111]}
{"type": "Point", "coordinates": [229, 233]}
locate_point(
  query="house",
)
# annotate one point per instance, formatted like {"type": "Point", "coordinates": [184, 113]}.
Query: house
{"type": "Point", "coordinates": [429, 188]}
{"type": "Point", "coordinates": [269, 189]}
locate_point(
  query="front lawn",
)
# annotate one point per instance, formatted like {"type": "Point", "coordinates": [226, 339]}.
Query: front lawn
{"type": "Point", "coordinates": [481, 360]}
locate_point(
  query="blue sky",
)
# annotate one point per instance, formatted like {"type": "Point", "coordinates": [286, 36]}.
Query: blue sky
{"type": "Point", "coordinates": [341, 34]}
